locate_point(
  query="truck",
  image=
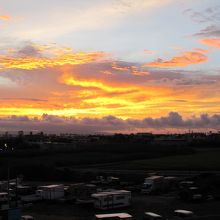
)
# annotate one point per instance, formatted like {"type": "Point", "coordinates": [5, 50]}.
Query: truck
{"type": "Point", "coordinates": [51, 192]}
{"type": "Point", "coordinates": [152, 184]}
{"type": "Point", "coordinates": [112, 199]}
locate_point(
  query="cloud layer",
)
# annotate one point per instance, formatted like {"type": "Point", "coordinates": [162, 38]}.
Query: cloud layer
{"type": "Point", "coordinates": [111, 124]}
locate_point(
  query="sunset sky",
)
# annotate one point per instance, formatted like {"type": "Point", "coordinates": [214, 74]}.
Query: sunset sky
{"type": "Point", "coordinates": [109, 65]}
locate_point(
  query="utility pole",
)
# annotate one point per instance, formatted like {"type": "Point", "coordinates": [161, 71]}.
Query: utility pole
{"type": "Point", "coordinates": [8, 185]}
{"type": "Point", "coordinates": [16, 192]}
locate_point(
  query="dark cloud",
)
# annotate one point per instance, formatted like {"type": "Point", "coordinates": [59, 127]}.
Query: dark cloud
{"type": "Point", "coordinates": [56, 124]}
{"type": "Point", "coordinates": [210, 31]}
{"type": "Point", "coordinates": [28, 50]}
{"type": "Point", "coordinates": [194, 81]}
{"type": "Point", "coordinates": [208, 15]}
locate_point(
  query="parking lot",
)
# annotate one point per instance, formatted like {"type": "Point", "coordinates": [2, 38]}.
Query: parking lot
{"type": "Point", "coordinates": [163, 205]}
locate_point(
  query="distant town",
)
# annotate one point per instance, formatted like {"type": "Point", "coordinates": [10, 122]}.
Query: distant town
{"type": "Point", "coordinates": [43, 141]}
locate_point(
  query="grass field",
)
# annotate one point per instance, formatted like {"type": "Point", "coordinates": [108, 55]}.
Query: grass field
{"type": "Point", "coordinates": [202, 160]}
{"type": "Point", "coordinates": [62, 165]}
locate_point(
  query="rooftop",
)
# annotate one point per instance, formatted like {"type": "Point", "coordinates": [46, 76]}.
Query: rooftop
{"type": "Point", "coordinates": [183, 211]}
{"type": "Point", "coordinates": [52, 186]}
{"type": "Point", "coordinates": [154, 177]}
{"type": "Point", "coordinates": [112, 215]}
{"type": "Point", "coordinates": [152, 214]}
{"type": "Point", "coordinates": [115, 192]}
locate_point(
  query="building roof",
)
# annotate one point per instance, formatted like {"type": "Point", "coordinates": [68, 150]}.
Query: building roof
{"type": "Point", "coordinates": [23, 187]}
{"type": "Point", "coordinates": [108, 193]}
{"type": "Point", "coordinates": [112, 215]}
{"type": "Point", "coordinates": [169, 177]}
{"type": "Point", "coordinates": [154, 177]}
{"type": "Point", "coordinates": [152, 214]}
{"type": "Point", "coordinates": [183, 211]}
{"type": "Point", "coordinates": [27, 217]}
{"type": "Point", "coordinates": [52, 186]}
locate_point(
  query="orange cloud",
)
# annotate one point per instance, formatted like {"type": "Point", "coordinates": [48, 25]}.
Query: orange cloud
{"type": "Point", "coordinates": [70, 79]}
{"type": "Point", "coordinates": [98, 89]}
{"type": "Point", "coordinates": [187, 58]}
{"type": "Point", "coordinates": [116, 67]}
{"type": "Point", "coordinates": [212, 42]}
{"type": "Point", "coordinates": [90, 102]}
{"type": "Point", "coordinates": [200, 50]}
{"type": "Point", "coordinates": [135, 70]}
{"type": "Point", "coordinates": [98, 97]}
{"type": "Point", "coordinates": [30, 63]}
{"type": "Point", "coordinates": [5, 17]}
